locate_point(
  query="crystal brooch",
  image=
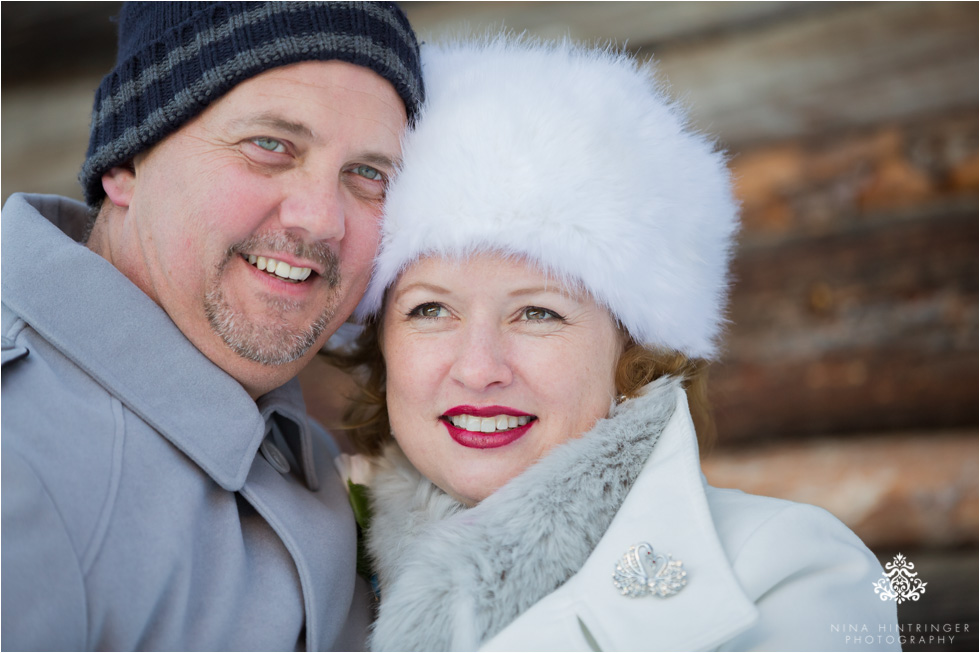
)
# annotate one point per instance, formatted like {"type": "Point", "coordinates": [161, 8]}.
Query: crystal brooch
{"type": "Point", "coordinates": [641, 571]}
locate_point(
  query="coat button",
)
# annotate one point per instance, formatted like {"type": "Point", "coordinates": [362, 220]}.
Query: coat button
{"type": "Point", "coordinates": [275, 458]}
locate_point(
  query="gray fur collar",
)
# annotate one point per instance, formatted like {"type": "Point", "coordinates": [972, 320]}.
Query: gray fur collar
{"type": "Point", "coordinates": [453, 577]}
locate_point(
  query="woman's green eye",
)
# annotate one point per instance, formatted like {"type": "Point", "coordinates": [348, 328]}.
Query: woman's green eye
{"type": "Point", "coordinates": [270, 144]}
{"type": "Point", "coordinates": [368, 173]}
{"type": "Point", "coordinates": [536, 313]}
{"type": "Point", "coordinates": [430, 310]}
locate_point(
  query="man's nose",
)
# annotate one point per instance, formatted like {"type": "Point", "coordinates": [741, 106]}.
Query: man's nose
{"type": "Point", "coordinates": [481, 360]}
{"type": "Point", "coordinates": [317, 207]}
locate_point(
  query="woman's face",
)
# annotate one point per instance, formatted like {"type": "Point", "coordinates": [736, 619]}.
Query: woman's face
{"type": "Point", "coordinates": [490, 364]}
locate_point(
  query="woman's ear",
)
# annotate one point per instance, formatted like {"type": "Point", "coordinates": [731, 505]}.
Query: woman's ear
{"type": "Point", "coordinates": [119, 184]}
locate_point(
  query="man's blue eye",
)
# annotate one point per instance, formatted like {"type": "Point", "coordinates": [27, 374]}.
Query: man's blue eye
{"type": "Point", "coordinates": [270, 144]}
{"type": "Point", "coordinates": [368, 173]}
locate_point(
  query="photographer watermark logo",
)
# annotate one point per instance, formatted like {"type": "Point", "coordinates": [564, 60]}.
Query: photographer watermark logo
{"type": "Point", "coordinates": [899, 582]}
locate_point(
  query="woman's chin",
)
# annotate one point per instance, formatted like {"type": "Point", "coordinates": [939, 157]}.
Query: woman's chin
{"type": "Point", "coordinates": [473, 491]}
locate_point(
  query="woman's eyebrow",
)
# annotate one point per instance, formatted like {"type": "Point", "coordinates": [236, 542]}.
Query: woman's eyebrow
{"type": "Point", "coordinates": [518, 292]}
{"type": "Point", "coordinates": [535, 290]}
{"type": "Point", "coordinates": [422, 285]}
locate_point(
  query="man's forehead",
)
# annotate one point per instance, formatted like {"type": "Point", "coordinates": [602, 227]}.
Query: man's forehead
{"type": "Point", "coordinates": [330, 81]}
{"type": "Point", "coordinates": [330, 73]}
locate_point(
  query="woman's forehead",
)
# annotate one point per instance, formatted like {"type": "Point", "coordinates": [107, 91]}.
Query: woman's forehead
{"type": "Point", "coordinates": [477, 272]}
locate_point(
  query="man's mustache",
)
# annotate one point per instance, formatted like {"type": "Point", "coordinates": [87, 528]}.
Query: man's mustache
{"type": "Point", "coordinates": [317, 252]}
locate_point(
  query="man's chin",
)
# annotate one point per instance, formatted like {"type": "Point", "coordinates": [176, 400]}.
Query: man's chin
{"type": "Point", "coordinates": [268, 338]}
{"type": "Point", "coordinates": [270, 345]}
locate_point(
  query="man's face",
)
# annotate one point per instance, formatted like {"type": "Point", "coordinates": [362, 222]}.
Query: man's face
{"type": "Point", "coordinates": [289, 166]}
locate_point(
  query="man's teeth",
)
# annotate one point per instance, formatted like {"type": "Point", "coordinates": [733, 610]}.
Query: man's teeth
{"type": "Point", "coordinates": [279, 268]}
{"type": "Point", "coordinates": [488, 424]}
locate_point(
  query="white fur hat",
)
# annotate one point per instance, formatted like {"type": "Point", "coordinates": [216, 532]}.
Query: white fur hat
{"type": "Point", "coordinates": [573, 158]}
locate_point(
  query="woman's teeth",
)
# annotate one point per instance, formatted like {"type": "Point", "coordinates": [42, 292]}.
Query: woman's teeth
{"type": "Point", "coordinates": [488, 424]}
{"type": "Point", "coordinates": [281, 269]}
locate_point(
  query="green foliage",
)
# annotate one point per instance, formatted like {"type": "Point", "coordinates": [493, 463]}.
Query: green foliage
{"type": "Point", "coordinates": [360, 502]}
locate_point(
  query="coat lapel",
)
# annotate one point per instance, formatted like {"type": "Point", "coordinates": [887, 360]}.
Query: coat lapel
{"type": "Point", "coordinates": [667, 508]}
{"type": "Point", "coordinates": [299, 516]}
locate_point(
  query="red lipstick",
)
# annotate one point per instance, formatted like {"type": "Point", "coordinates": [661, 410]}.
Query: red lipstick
{"type": "Point", "coordinates": [479, 440]}
{"type": "Point", "coordinates": [485, 411]}
{"type": "Point", "coordinates": [475, 440]}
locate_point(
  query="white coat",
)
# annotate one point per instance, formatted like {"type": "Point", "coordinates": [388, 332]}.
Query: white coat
{"type": "Point", "coordinates": [762, 573]}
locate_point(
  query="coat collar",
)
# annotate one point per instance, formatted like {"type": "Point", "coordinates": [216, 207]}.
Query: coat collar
{"type": "Point", "coordinates": [534, 562]}
{"type": "Point", "coordinates": [100, 320]}
{"type": "Point", "coordinates": [668, 508]}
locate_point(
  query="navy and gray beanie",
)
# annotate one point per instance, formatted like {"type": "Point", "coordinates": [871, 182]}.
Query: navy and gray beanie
{"type": "Point", "coordinates": [175, 58]}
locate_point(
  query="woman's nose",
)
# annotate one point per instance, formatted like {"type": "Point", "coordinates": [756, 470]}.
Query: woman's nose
{"type": "Point", "coordinates": [481, 360]}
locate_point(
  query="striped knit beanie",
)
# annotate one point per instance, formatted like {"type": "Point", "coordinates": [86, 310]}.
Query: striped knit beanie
{"type": "Point", "coordinates": [175, 58]}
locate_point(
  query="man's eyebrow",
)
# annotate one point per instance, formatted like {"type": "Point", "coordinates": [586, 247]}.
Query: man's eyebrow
{"type": "Point", "coordinates": [278, 122]}
{"type": "Point", "coordinates": [379, 160]}
{"type": "Point", "coordinates": [274, 121]}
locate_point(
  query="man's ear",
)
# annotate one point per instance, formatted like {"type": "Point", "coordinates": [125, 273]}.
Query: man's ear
{"type": "Point", "coordinates": [119, 184]}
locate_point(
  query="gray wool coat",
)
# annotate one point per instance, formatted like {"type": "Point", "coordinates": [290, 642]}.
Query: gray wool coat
{"type": "Point", "coordinates": [138, 511]}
